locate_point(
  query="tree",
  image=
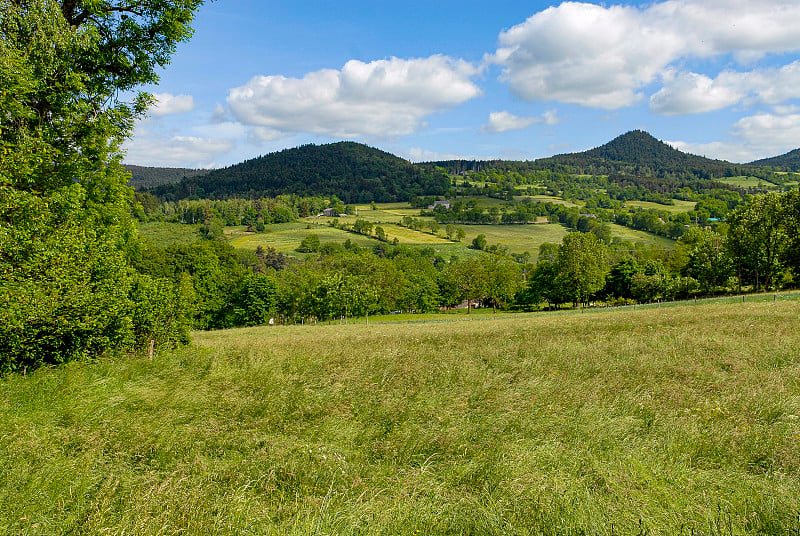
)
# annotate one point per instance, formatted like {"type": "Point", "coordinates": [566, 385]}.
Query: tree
{"type": "Point", "coordinates": [503, 278]}
{"type": "Point", "coordinates": [582, 266]}
{"type": "Point", "coordinates": [479, 242]}
{"type": "Point", "coordinates": [309, 244]}
{"type": "Point", "coordinates": [66, 234]}
{"type": "Point", "coordinates": [756, 239]}
{"type": "Point", "coordinates": [708, 261]}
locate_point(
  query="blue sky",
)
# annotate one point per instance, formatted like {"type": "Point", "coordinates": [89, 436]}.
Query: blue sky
{"type": "Point", "coordinates": [430, 80]}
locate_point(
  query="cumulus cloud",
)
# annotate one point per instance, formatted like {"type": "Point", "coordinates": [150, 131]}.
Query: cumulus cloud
{"type": "Point", "coordinates": [153, 149]}
{"type": "Point", "coordinates": [504, 121]}
{"type": "Point", "coordinates": [687, 93]}
{"type": "Point", "coordinates": [381, 99]}
{"type": "Point", "coordinates": [757, 136]}
{"type": "Point", "coordinates": [168, 104]}
{"type": "Point", "coordinates": [770, 134]}
{"type": "Point", "coordinates": [604, 57]}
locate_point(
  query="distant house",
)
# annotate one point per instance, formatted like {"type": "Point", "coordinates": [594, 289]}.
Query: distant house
{"type": "Point", "coordinates": [330, 213]}
{"type": "Point", "coordinates": [445, 204]}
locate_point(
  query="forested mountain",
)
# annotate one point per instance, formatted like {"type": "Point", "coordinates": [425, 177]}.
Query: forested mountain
{"type": "Point", "coordinates": [143, 177]}
{"type": "Point", "coordinates": [785, 162]}
{"type": "Point", "coordinates": [633, 159]}
{"type": "Point", "coordinates": [351, 171]}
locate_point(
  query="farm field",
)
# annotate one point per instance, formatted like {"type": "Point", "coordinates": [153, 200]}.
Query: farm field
{"type": "Point", "coordinates": [677, 208]}
{"type": "Point", "coordinates": [748, 182]}
{"type": "Point", "coordinates": [548, 199]}
{"type": "Point", "coordinates": [634, 235]}
{"type": "Point", "coordinates": [670, 420]}
{"type": "Point", "coordinates": [518, 238]}
{"type": "Point", "coordinates": [286, 237]}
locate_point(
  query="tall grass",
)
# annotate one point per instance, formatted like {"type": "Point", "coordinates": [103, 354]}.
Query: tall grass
{"type": "Point", "coordinates": [673, 420]}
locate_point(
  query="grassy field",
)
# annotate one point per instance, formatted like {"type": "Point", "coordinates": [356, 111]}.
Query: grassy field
{"type": "Point", "coordinates": [286, 237]}
{"type": "Point", "coordinates": [518, 238]}
{"type": "Point", "coordinates": [659, 421]}
{"type": "Point", "coordinates": [634, 235]}
{"type": "Point", "coordinates": [747, 182]}
{"type": "Point", "coordinates": [678, 207]}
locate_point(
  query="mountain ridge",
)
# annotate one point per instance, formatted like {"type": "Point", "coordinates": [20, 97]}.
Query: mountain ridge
{"type": "Point", "coordinates": [354, 172]}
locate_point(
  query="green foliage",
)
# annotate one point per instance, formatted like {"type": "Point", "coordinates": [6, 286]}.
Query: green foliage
{"type": "Point", "coordinates": [309, 244]}
{"type": "Point", "coordinates": [757, 239]}
{"type": "Point", "coordinates": [479, 242]}
{"type": "Point", "coordinates": [66, 234]}
{"type": "Point", "coordinates": [708, 262]}
{"type": "Point", "coordinates": [582, 266]}
{"type": "Point", "coordinates": [350, 171]}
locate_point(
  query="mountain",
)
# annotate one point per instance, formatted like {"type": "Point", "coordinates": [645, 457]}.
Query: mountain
{"type": "Point", "coordinates": [353, 172]}
{"type": "Point", "coordinates": [633, 159]}
{"type": "Point", "coordinates": [785, 162]}
{"type": "Point", "coordinates": [640, 154]}
{"type": "Point", "coordinates": [143, 177]}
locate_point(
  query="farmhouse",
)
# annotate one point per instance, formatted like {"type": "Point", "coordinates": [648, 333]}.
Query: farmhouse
{"type": "Point", "coordinates": [445, 204]}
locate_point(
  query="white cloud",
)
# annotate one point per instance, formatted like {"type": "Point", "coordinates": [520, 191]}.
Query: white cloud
{"type": "Point", "coordinates": [168, 104]}
{"type": "Point", "coordinates": [380, 99]}
{"type": "Point", "coordinates": [153, 149]}
{"type": "Point", "coordinates": [686, 93]}
{"type": "Point", "coordinates": [505, 121]}
{"type": "Point", "coordinates": [758, 136]}
{"type": "Point", "coordinates": [770, 134]}
{"type": "Point", "coordinates": [604, 57]}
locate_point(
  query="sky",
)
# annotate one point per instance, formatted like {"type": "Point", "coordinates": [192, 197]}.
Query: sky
{"type": "Point", "coordinates": [443, 79]}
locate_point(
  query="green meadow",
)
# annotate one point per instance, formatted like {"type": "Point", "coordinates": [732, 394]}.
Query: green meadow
{"type": "Point", "coordinates": [748, 182]}
{"type": "Point", "coordinates": [676, 208]}
{"type": "Point", "coordinates": [654, 420]}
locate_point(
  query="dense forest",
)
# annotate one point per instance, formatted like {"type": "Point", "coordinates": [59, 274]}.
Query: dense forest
{"type": "Point", "coordinates": [632, 159]}
{"type": "Point", "coordinates": [353, 172]}
{"type": "Point", "coordinates": [143, 177]}
{"type": "Point", "coordinates": [785, 162]}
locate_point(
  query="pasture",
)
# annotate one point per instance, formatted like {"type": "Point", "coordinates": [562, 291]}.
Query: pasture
{"type": "Point", "coordinates": [678, 206]}
{"type": "Point", "coordinates": [748, 182]}
{"type": "Point", "coordinates": [654, 420]}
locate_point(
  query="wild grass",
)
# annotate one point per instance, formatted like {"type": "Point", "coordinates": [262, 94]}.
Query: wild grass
{"type": "Point", "coordinates": [660, 420]}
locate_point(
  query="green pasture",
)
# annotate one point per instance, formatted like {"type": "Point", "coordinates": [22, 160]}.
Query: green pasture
{"type": "Point", "coordinates": [633, 235]}
{"type": "Point", "coordinates": [518, 238]}
{"type": "Point", "coordinates": [748, 182]}
{"type": "Point", "coordinates": [679, 206]}
{"type": "Point", "coordinates": [658, 420]}
{"type": "Point", "coordinates": [547, 199]}
{"type": "Point", "coordinates": [286, 237]}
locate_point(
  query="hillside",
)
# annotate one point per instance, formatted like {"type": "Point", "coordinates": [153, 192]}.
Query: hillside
{"type": "Point", "coordinates": [143, 177]}
{"type": "Point", "coordinates": [785, 162]}
{"type": "Point", "coordinates": [662, 420]}
{"type": "Point", "coordinates": [638, 158]}
{"type": "Point", "coordinates": [634, 158]}
{"type": "Point", "coordinates": [353, 172]}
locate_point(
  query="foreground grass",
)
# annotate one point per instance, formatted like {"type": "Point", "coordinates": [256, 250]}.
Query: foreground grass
{"type": "Point", "coordinates": [648, 421]}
